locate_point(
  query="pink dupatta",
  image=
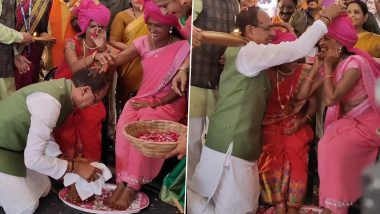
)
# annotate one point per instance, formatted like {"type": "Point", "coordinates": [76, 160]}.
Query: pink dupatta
{"type": "Point", "coordinates": [159, 66]}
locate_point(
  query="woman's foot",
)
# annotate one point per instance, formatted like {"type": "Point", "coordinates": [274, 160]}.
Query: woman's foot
{"type": "Point", "coordinates": [115, 195]}
{"type": "Point", "coordinates": [292, 210]}
{"type": "Point", "coordinates": [280, 208]}
{"type": "Point", "coordinates": [125, 199]}
{"type": "Point", "coordinates": [326, 211]}
{"type": "Point", "coordinates": [73, 195]}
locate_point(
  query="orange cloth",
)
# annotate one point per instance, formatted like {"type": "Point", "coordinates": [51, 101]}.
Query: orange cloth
{"type": "Point", "coordinates": [61, 29]}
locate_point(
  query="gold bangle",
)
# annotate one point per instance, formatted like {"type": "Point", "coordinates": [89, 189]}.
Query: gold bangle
{"type": "Point", "coordinates": [93, 56]}
{"type": "Point", "coordinates": [308, 78]}
{"type": "Point", "coordinates": [308, 117]}
{"type": "Point", "coordinates": [328, 77]}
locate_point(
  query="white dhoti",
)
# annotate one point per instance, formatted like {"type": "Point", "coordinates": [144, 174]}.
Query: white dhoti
{"type": "Point", "coordinates": [194, 148]}
{"type": "Point", "coordinates": [223, 184]}
{"type": "Point", "coordinates": [20, 195]}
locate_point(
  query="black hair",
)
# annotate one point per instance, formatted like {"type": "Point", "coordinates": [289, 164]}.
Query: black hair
{"type": "Point", "coordinates": [295, 2]}
{"type": "Point", "coordinates": [88, 77]}
{"type": "Point", "coordinates": [247, 16]}
{"type": "Point", "coordinates": [361, 4]}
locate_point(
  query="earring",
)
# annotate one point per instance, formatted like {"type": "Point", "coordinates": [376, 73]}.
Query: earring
{"type": "Point", "coordinates": [340, 49]}
{"type": "Point", "coordinates": [171, 30]}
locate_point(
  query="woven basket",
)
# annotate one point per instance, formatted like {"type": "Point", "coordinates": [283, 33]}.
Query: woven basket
{"type": "Point", "coordinates": [151, 148]}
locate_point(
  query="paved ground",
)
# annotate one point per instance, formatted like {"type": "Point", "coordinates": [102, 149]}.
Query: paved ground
{"type": "Point", "coordinates": [53, 205]}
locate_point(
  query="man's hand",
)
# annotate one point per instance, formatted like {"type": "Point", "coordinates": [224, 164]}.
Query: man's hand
{"type": "Point", "coordinates": [27, 38]}
{"type": "Point", "coordinates": [21, 63]}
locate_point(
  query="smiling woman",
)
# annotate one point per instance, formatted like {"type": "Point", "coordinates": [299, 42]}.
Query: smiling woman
{"type": "Point", "coordinates": [367, 41]}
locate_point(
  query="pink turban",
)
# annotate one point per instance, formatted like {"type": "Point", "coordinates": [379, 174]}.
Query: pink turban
{"type": "Point", "coordinates": [151, 10]}
{"type": "Point", "coordinates": [91, 10]}
{"type": "Point", "coordinates": [283, 37]}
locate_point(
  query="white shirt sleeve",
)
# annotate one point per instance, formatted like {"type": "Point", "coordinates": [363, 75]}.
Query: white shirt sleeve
{"type": "Point", "coordinates": [44, 110]}
{"type": "Point", "coordinates": [253, 58]}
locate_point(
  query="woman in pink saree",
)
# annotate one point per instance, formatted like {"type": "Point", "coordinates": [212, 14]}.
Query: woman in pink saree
{"type": "Point", "coordinates": [162, 54]}
{"type": "Point", "coordinates": [350, 143]}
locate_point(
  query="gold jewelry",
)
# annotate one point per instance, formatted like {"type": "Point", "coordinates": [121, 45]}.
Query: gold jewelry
{"type": "Point", "coordinates": [278, 89]}
{"type": "Point", "coordinates": [88, 47]}
{"type": "Point", "coordinates": [308, 117]}
{"type": "Point", "coordinates": [328, 77]}
{"type": "Point", "coordinates": [284, 74]}
{"type": "Point", "coordinates": [154, 46]}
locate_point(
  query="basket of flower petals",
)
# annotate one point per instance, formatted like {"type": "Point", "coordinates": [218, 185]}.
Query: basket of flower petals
{"type": "Point", "coordinates": [155, 138]}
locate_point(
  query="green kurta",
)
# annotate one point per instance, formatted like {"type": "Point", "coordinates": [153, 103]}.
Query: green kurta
{"type": "Point", "coordinates": [15, 122]}
{"type": "Point", "coordinates": [239, 113]}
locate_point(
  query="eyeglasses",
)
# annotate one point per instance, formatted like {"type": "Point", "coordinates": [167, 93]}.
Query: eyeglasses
{"type": "Point", "coordinates": [96, 100]}
{"type": "Point", "coordinates": [266, 28]}
{"type": "Point", "coordinates": [96, 26]}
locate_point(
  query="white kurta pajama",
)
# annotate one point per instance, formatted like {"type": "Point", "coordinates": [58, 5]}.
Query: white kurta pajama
{"type": "Point", "coordinates": [21, 194]}
{"type": "Point", "coordinates": [223, 182]}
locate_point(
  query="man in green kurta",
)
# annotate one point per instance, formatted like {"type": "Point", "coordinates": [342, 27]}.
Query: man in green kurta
{"type": "Point", "coordinates": [27, 150]}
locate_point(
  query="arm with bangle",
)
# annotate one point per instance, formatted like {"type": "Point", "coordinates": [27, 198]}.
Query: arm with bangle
{"type": "Point", "coordinates": [312, 81]}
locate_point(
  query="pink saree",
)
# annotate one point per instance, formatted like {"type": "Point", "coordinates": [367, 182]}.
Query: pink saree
{"type": "Point", "coordinates": [349, 144]}
{"type": "Point", "coordinates": [159, 67]}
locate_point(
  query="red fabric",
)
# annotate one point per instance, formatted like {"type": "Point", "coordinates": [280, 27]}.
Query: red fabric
{"type": "Point", "coordinates": [80, 135]}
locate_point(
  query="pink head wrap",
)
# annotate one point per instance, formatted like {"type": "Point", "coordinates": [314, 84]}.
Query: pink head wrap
{"type": "Point", "coordinates": [91, 10]}
{"type": "Point", "coordinates": [283, 37]}
{"type": "Point", "coordinates": [151, 10]}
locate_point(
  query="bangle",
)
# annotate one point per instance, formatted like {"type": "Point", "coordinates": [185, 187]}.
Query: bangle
{"type": "Point", "coordinates": [308, 78]}
{"type": "Point", "coordinates": [327, 18]}
{"type": "Point", "coordinates": [158, 100]}
{"type": "Point", "coordinates": [328, 77]}
{"type": "Point", "coordinates": [93, 56]}
{"type": "Point", "coordinates": [308, 117]}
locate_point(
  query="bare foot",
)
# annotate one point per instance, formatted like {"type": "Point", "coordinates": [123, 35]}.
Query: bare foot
{"type": "Point", "coordinates": [326, 211]}
{"type": "Point", "coordinates": [73, 195]}
{"type": "Point", "coordinates": [115, 195]}
{"type": "Point", "coordinates": [125, 199]}
{"type": "Point", "coordinates": [292, 210]}
{"type": "Point", "coordinates": [280, 208]}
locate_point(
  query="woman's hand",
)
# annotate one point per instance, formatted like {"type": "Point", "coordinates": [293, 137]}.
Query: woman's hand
{"type": "Point", "coordinates": [137, 104]}
{"type": "Point", "coordinates": [197, 37]}
{"type": "Point", "coordinates": [104, 58]}
{"type": "Point", "coordinates": [331, 59]}
{"type": "Point", "coordinates": [180, 150]}
{"type": "Point", "coordinates": [21, 63]}
{"type": "Point", "coordinates": [86, 171]}
{"type": "Point", "coordinates": [99, 37]}
{"type": "Point", "coordinates": [293, 126]}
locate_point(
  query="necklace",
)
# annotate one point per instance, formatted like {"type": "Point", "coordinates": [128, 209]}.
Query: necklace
{"type": "Point", "coordinates": [278, 89]}
{"type": "Point", "coordinates": [284, 74]}
{"type": "Point", "coordinates": [88, 47]}
{"type": "Point", "coordinates": [154, 46]}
